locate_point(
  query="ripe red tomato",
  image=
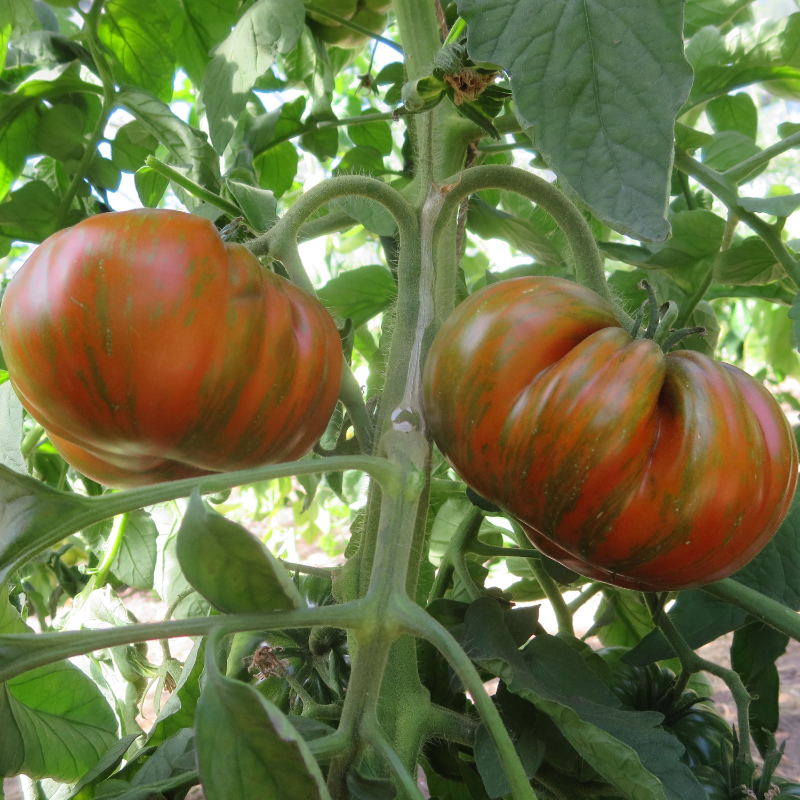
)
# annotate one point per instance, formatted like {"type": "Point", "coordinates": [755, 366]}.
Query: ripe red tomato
{"type": "Point", "coordinates": [643, 470]}
{"type": "Point", "coordinates": [151, 350]}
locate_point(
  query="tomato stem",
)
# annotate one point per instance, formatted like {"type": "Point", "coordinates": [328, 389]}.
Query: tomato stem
{"type": "Point", "coordinates": [725, 189]}
{"type": "Point", "coordinates": [421, 624]}
{"type": "Point", "coordinates": [668, 314]}
{"type": "Point", "coordinates": [638, 322]}
{"type": "Point", "coordinates": [691, 663]}
{"type": "Point", "coordinates": [652, 304]}
{"type": "Point", "coordinates": [194, 189]}
{"type": "Point", "coordinates": [588, 258]}
{"type": "Point", "coordinates": [680, 335]}
{"type": "Point", "coordinates": [112, 549]}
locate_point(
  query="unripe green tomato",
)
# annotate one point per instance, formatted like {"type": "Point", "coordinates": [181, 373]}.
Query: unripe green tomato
{"type": "Point", "coordinates": [342, 8]}
{"type": "Point", "coordinates": [712, 781]}
{"type": "Point", "coordinates": [381, 6]}
{"type": "Point", "coordinates": [350, 39]}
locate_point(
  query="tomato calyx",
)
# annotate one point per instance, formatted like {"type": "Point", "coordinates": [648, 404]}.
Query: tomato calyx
{"type": "Point", "coordinates": [660, 320]}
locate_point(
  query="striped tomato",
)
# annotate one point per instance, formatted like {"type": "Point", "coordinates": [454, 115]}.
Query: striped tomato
{"type": "Point", "coordinates": [644, 470]}
{"type": "Point", "coordinates": [151, 350]}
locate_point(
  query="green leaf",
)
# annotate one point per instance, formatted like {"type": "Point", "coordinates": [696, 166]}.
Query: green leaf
{"type": "Point", "coordinates": [728, 149]}
{"type": "Point", "coordinates": [750, 263]}
{"type": "Point", "coordinates": [55, 722]}
{"type": "Point", "coordinates": [29, 213]}
{"type": "Point", "coordinates": [150, 186]}
{"type": "Point", "coordinates": [237, 725]}
{"type": "Point", "coordinates": [361, 160]}
{"type": "Point", "coordinates": [104, 174]}
{"type": "Point", "coordinates": [695, 235]}
{"type": "Point", "coordinates": [133, 32]}
{"type": "Point", "coordinates": [229, 566]}
{"type": "Point", "coordinates": [11, 429]}
{"type": "Point", "coordinates": [690, 139]}
{"type": "Point", "coordinates": [530, 750]}
{"type": "Point", "coordinates": [267, 28]}
{"type": "Point", "coordinates": [736, 112]}
{"type": "Point", "coordinates": [767, 52]}
{"type": "Point", "coordinates": [360, 293]}
{"type": "Point", "coordinates": [179, 710]}
{"type": "Point", "coordinates": [703, 317]}
{"type": "Point", "coordinates": [259, 205]}
{"type": "Point", "coordinates": [373, 216]}
{"type": "Point", "coordinates": [754, 651]}
{"type": "Point", "coordinates": [621, 620]}
{"type": "Point", "coordinates": [779, 206]}
{"type": "Point", "coordinates": [524, 234]}
{"type": "Point", "coordinates": [60, 132]}
{"type": "Point", "coordinates": [186, 144]}
{"type": "Point", "coordinates": [105, 767]}
{"type": "Point", "coordinates": [377, 135]}
{"type": "Point", "coordinates": [33, 516]}
{"type": "Point", "coordinates": [322, 142]}
{"type": "Point", "coordinates": [131, 146]}
{"type": "Point", "coordinates": [788, 128]}
{"type": "Point", "coordinates": [627, 748]}
{"type": "Point", "coordinates": [52, 48]}
{"type": "Point", "coordinates": [794, 315]}
{"type": "Point", "coordinates": [285, 121]}
{"type": "Point", "coordinates": [607, 141]}
{"type": "Point", "coordinates": [135, 563]}
{"type": "Point", "coordinates": [699, 13]}
{"type": "Point", "coordinates": [18, 128]}
{"type": "Point", "coordinates": [364, 788]}
{"type": "Point", "coordinates": [196, 28]}
{"type": "Point", "coordinates": [276, 168]}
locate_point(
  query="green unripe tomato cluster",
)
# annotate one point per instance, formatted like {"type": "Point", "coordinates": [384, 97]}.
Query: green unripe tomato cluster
{"type": "Point", "coordinates": [370, 14]}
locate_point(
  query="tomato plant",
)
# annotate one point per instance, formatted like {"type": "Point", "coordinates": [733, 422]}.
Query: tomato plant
{"type": "Point", "coordinates": [335, 392]}
{"type": "Point", "coordinates": [171, 353]}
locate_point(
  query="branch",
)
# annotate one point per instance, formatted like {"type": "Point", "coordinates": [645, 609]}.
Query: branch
{"type": "Point", "coordinates": [740, 171]}
{"type": "Point", "coordinates": [194, 189]}
{"type": "Point", "coordinates": [381, 745]}
{"type": "Point", "coordinates": [764, 608]}
{"type": "Point", "coordinates": [421, 624]}
{"type": "Point", "coordinates": [588, 258]}
{"type": "Point", "coordinates": [309, 127]}
{"type": "Point", "coordinates": [95, 509]}
{"type": "Point", "coordinates": [109, 97]}
{"type": "Point", "coordinates": [354, 26]}
{"type": "Point", "coordinates": [726, 191]}
{"type": "Point", "coordinates": [691, 663]}
{"type": "Point", "coordinates": [22, 652]}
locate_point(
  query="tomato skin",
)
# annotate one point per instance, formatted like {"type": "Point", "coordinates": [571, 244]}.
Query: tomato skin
{"type": "Point", "coordinates": [649, 471]}
{"type": "Point", "coordinates": [151, 350]}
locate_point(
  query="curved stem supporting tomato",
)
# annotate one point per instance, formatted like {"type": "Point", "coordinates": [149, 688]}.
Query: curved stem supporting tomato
{"type": "Point", "coordinates": [691, 663]}
{"type": "Point", "coordinates": [588, 259]}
